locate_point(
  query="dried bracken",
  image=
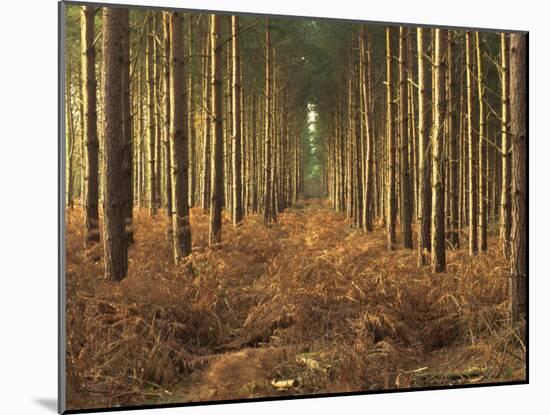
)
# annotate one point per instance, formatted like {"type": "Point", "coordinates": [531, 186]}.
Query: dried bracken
{"type": "Point", "coordinates": [307, 305]}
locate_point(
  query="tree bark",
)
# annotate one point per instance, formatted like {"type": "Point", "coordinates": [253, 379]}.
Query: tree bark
{"type": "Point", "coordinates": [89, 94]}
{"type": "Point", "coordinates": [151, 128]}
{"type": "Point", "coordinates": [390, 180]}
{"type": "Point", "coordinates": [482, 197]}
{"type": "Point", "coordinates": [453, 180]}
{"type": "Point", "coordinates": [115, 246]}
{"type": "Point", "coordinates": [518, 134]}
{"type": "Point", "coordinates": [268, 127]}
{"type": "Point", "coordinates": [406, 194]}
{"type": "Point", "coordinates": [438, 165]}
{"type": "Point", "coordinates": [505, 203]}
{"type": "Point", "coordinates": [424, 242]}
{"type": "Point", "coordinates": [472, 183]}
{"type": "Point", "coordinates": [181, 228]}
{"type": "Point", "coordinates": [167, 112]}
{"type": "Point", "coordinates": [216, 198]}
{"type": "Point", "coordinates": [128, 144]}
{"type": "Point", "coordinates": [236, 120]}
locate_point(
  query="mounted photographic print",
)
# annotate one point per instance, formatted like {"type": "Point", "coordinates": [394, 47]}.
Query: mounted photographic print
{"type": "Point", "coordinates": [256, 207]}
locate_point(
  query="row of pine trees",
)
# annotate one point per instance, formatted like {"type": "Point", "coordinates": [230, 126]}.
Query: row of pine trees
{"type": "Point", "coordinates": [424, 137]}
{"type": "Point", "coordinates": [162, 120]}
{"type": "Point", "coordinates": [421, 129]}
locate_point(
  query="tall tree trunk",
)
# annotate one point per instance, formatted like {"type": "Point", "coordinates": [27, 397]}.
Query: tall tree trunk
{"type": "Point", "coordinates": [268, 127]}
{"type": "Point", "coordinates": [236, 133]}
{"type": "Point", "coordinates": [366, 91]}
{"type": "Point", "coordinates": [453, 182]}
{"type": "Point", "coordinates": [482, 211]}
{"type": "Point", "coordinates": [406, 194]}
{"type": "Point", "coordinates": [424, 242]}
{"type": "Point", "coordinates": [472, 183]}
{"type": "Point", "coordinates": [505, 203]}
{"type": "Point", "coordinates": [390, 180]}
{"type": "Point", "coordinates": [167, 112]}
{"type": "Point", "coordinates": [254, 159]}
{"type": "Point", "coordinates": [89, 94]}
{"type": "Point", "coordinates": [128, 143]}
{"type": "Point", "coordinates": [151, 129]}
{"type": "Point", "coordinates": [518, 134]}
{"type": "Point", "coordinates": [206, 151]}
{"type": "Point", "coordinates": [438, 165]}
{"type": "Point", "coordinates": [115, 246]}
{"type": "Point", "coordinates": [70, 139]}
{"type": "Point", "coordinates": [216, 199]}
{"type": "Point", "coordinates": [181, 227]}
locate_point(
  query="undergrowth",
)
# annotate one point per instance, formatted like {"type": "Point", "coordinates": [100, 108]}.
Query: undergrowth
{"type": "Point", "coordinates": [307, 305]}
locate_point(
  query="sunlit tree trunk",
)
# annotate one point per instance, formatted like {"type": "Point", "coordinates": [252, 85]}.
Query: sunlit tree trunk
{"type": "Point", "coordinates": [70, 139]}
{"type": "Point", "coordinates": [482, 210]}
{"type": "Point", "coordinates": [454, 158]}
{"type": "Point", "coordinates": [518, 135]}
{"type": "Point", "coordinates": [424, 242]}
{"type": "Point", "coordinates": [89, 86]}
{"type": "Point", "coordinates": [438, 165]}
{"type": "Point", "coordinates": [505, 203]}
{"type": "Point", "coordinates": [216, 198]}
{"type": "Point", "coordinates": [390, 179]}
{"type": "Point", "coordinates": [167, 112]}
{"type": "Point", "coordinates": [472, 183]}
{"type": "Point", "coordinates": [151, 129]}
{"type": "Point", "coordinates": [406, 194]}
{"type": "Point", "coordinates": [207, 120]}
{"type": "Point", "coordinates": [268, 127]}
{"type": "Point", "coordinates": [236, 121]}
{"type": "Point", "coordinates": [366, 91]}
{"type": "Point", "coordinates": [181, 228]}
{"type": "Point", "coordinates": [115, 246]}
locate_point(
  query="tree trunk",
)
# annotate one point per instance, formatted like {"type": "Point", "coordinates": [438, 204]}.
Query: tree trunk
{"type": "Point", "coordinates": [268, 127]}
{"type": "Point", "coordinates": [390, 180]}
{"type": "Point", "coordinates": [128, 144]}
{"type": "Point", "coordinates": [115, 246]}
{"type": "Point", "coordinates": [518, 134]}
{"type": "Point", "coordinates": [505, 203]}
{"type": "Point", "coordinates": [89, 86]}
{"type": "Point", "coordinates": [482, 211]}
{"type": "Point", "coordinates": [472, 183]}
{"type": "Point", "coordinates": [216, 198]}
{"type": "Point", "coordinates": [151, 129]}
{"type": "Point", "coordinates": [206, 177]}
{"type": "Point", "coordinates": [438, 165]}
{"type": "Point", "coordinates": [424, 243]}
{"type": "Point", "coordinates": [236, 119]}
{"type": "Point", "coordinates": [70, 136]}
{"type": "Point", "coordinates": [167, 112]}
{"type": "Point", "coordinates": [181, 228]}
{"type": "Point", "coordinates": [406, 194]}
{"type": "Point", "coordinates": [453, 182]}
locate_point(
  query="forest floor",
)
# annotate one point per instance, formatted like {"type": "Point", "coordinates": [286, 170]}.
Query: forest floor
{"type": "Point", "coordinates": [305, 306]}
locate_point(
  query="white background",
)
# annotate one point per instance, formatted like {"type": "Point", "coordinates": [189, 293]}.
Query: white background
{"type": "Point", "coordinates": [28, 208]}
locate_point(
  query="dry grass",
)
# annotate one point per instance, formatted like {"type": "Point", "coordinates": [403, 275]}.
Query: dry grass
{"type": "Point", "coordinates": [307, 299]}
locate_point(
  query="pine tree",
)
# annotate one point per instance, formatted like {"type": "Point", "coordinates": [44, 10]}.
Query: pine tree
{"type": "Point", "coordinates": [518, 134]}
{"type": "Point", "coordinates": [236, 122]}
{"type": "Point", "coordinates": [216, 198]}
{"type": "Point", "coordinates": [438, 196]}
{"type": "Point", "coordinates": [114, 242]}
{"type": "Point", "coordinates": [89, 86]}
{"type": "Point", "coordinates": [181, 227]}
